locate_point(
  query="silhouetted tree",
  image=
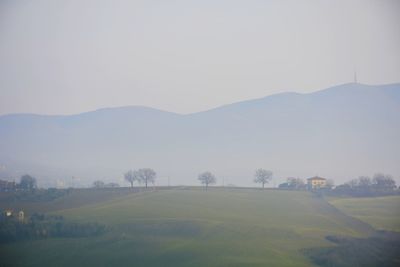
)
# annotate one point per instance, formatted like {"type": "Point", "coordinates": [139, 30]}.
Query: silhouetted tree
{"type": "Point", "coordinates": [295, 183]}
{"type": "Point", "coordinates": [145, 175]}
{"type": "Point", "coordinates": [27, 182]}
{"type": "Point", "coordinates": [262, 176]}
{"type": "Point", "coordinates": [383, 182]}
{"type": "Point", "coordinates": [98, 184]}
{"type": "Point", "coordinates": [353, 184]}
{"type": "Point", "coordinates": [207, 178]}
{"type": "Point", "coordinates": [365, 186]}
{"type": "Point", "coordinates": [130, 177]}
{"type": "Point", "coordinates": [364, 182]}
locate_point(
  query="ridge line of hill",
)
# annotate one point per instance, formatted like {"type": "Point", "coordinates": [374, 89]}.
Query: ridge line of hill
{"type": "Point", "coordinates": [153, 109]}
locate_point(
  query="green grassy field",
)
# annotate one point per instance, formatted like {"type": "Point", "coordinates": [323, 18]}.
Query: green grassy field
{"type": "Point", "coordinates": [193, 228]}
{"type": "Point", "coordinates": [380, 212]}
{"type": "Point", "coordinates": [74, 198]}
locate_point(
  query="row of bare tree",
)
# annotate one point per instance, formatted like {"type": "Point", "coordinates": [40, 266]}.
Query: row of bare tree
{"type": "Point", "coordinates": [147, 176]}
{"type": "Point", "coordinates": [379, 184]}
{"type": "Point", "coordinates": [144, 175]}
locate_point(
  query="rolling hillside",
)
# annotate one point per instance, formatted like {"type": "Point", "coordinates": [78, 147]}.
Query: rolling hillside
{"type": "Point", "coordinates": [194, 228]}
{"type": "Point", "coordinates": [340, 132]}
{"type": "Point", "coordinates": [382, 213]}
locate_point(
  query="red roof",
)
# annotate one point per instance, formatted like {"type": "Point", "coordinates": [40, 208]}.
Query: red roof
{"type": "Point", "coordinates": [316, 178]}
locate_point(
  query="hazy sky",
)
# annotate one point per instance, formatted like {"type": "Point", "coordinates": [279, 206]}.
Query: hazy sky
{"type": "Point", "coordinates": [63, 57]}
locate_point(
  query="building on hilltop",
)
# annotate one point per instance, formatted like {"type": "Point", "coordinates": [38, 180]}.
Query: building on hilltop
{"type": "Point", "coordinates": [316, 183]}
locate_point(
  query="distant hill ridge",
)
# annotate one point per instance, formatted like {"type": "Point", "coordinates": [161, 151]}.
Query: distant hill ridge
{"type": "Point", "coordinates": [339, 132]}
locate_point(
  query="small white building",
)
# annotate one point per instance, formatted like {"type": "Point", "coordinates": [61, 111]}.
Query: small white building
{"type": "Point", "coordinates": [8, 213]}
{"type": "Point", "coordinates": [316, 182]}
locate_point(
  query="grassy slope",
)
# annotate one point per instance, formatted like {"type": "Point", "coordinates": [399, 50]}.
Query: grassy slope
{"type": "Point", "coordinates": [195, 228]}
{"type": "Point", "coordinates": [75, 198]}
{"type": "Point", "coordinates": [380, 212]}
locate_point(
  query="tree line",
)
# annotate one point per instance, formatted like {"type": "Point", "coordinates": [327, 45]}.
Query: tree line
{"type": "Point", "coordinates": [379, 184]}
{"type": "Point", "coordinates": [146, 176]}
{"type": "Point", "coordinates": [26, 183]}
{"type": "Point", "coordinates": [40, 226]}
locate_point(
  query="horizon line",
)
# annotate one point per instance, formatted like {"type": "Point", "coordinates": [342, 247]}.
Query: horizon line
{"type": "Point", "coordinates": [190, 113]}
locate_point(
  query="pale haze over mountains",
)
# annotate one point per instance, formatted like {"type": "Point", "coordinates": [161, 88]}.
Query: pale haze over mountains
{"type": "Point", "coordinates": [69, 57]}
{"type": "Point", "coordinates": [340, 133]}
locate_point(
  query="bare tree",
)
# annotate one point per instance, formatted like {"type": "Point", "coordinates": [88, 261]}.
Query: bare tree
{"type": "Point", "coordinates": [130, 177]}
{"type": "Point", "coordinates": [98, 184]}
{"type": "Point", "coordinates": [27, 182]}
{"type": "Point", "coordinates": [262, 176]}
{"type": "Point", "coordinates": [145, 175]}
{"type": "Point", "coordinates": [381, 181]}
{"type": "Point", "coordinates": [207, 178]}
{"type": "Point", "coordinates": [365, 186]}
{"type": "Point", "coordinates": [353, 183]}
{"type": "Point", "coordinates": [364, 182]}
{"type": "Point", "coordinates": [295, 183]}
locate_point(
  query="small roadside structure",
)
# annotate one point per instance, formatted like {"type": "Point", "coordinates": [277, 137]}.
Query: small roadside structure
{"type": "Point", "coordinates": [316, 182]}
{"type": "Point", "coordinates": [8, 213]}
{"type": "Point", "coordinates": [21, 216]}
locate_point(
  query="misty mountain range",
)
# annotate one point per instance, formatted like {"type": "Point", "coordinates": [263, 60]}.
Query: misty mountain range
{"type": "Point", "coordinates": [340, 133]}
